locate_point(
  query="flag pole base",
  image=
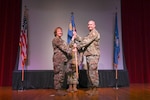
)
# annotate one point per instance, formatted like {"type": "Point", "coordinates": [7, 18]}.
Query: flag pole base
{"type": "Point", "coordinates": [116, 85]}
{"type": "Point", "coordinates": [21, 88]}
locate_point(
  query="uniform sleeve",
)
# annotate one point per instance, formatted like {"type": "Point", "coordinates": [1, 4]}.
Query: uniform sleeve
{"type": "Point", "coordinates": [83, 42]}
{"type": "Point", "coordinates": [62, 45]}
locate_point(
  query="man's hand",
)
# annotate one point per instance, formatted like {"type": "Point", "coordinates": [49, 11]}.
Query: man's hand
{"type": "Point", "coordinates": [74, 35]}
{"type": "Point", "coordinates": [74, 47]}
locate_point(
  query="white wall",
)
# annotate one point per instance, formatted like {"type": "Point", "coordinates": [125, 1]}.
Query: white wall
{"type": "Point", "coordinates": [46, 15]}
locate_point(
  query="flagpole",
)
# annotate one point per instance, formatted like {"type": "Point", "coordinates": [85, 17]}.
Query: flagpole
{"type": "Point", "coordinates": [116, 51]}
{"type": "Point", "coordinates": [77, 73]}
{"type": "Point", "coordinates": [116, 73]}
{"type": "Point", "coordinates": [76, 59]}
{"type": "Point", "coordinates": [23, 46]}
{"type": "Point", "coordinates": [22, 79]}
{"type": "Point", "coordinates": [71, 29]}
{"type": "Point", "coordinates": [22, 74]}
{"type": "Point", "coordinates": [116, 77]}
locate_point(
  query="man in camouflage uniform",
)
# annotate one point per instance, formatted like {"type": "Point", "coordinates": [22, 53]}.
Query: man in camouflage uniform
{"type": "Point", "coordinates": [60, 58]}
{"type": "Point", "coordinates": [90, 46]}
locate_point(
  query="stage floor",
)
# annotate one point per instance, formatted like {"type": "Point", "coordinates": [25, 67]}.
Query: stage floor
{"type": "Point", "coordinates": [133, 92]}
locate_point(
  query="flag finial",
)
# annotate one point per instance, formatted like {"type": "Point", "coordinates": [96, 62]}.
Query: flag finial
{"type": "Point", "coordinates": [72, 13]}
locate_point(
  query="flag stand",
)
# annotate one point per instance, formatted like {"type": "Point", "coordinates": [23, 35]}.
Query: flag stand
{"type": "Point", "coordinates": [21, 88]}
{"type": "Point", "coordinates": [22, 81]}
{"type": "Point", "coordinates": [21, 85]}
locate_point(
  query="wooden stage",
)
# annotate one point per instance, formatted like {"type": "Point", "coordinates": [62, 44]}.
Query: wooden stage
{"type": "Point", "coordinates": [133, 92]}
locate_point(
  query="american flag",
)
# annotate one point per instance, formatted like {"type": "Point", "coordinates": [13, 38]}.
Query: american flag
{"type": "Point", "coordinates": [23, 43]}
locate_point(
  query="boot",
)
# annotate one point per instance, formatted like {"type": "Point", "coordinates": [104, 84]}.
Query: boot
{"type": "Point", "coordinates": [70, 88]}
{"type": "Point", "coordinates": [94, 91]}
{"type": "Point", "coordinates": [75, 88]}
{"type": "Point", "coordinates": [89, 91]}
{"type": "Point", "coordinates": [61, 93]}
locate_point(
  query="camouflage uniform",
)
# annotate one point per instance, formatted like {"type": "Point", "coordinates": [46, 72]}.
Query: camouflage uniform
{"type": "Point", "coordinates": [90, 46]}
{"type": "Point", "coordinates": [60, 59]}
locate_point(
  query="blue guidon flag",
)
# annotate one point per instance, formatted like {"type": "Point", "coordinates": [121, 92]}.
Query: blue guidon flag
{"type": "Point", "coordinates": [116, 44]}
{"type": "Point", "coordinates": [71, 28]}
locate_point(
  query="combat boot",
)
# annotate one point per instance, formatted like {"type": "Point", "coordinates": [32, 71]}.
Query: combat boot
{"type": "Point", "coordinates": [89, 91]}
{"type": "Point", "coordinates": [94, 91]}
{"type": "Point", "coordinates": [70, 88]}
{"type": "Point", "coordinates": [75, 87]}
{"type": "Point", "coordinates": [61, 93]}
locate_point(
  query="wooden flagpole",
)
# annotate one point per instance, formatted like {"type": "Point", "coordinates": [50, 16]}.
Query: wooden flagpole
{"type": "Point", "coordinates": [23, 60]}
{"type": "Point", "coordinates": [116, 72]}
{"type": "Point", "coordinates": [22, 73]}
{"type": "Point", "coordinates": [77, 73]}
{"type": "Point", "coordinates": [116, 76]}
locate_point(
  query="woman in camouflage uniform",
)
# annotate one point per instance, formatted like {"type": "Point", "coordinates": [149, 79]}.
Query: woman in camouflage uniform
{"type": "Point", "coordinates": [60, 58]}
